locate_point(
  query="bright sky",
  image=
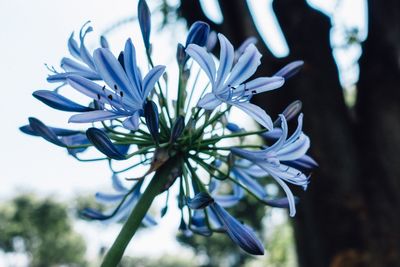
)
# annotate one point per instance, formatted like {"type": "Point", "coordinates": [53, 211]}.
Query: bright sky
{"type": "Point", "coordinates": [34, 33]}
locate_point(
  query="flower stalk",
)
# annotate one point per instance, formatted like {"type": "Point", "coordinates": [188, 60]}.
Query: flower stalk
{"type": "Point", "coordinates": [156, 186]}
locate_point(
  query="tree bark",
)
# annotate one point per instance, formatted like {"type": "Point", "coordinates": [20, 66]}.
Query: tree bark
{"type": "Point", "coordinates": [349, 215]}
{"type": "Point", "coordinates": [378, 110]}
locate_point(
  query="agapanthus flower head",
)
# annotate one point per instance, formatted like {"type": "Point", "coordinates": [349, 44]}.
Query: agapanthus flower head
{"type": "Point", "coordinates": [166, 141]}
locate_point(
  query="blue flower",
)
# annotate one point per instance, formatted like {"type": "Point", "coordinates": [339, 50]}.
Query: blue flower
{"type": "Point", "coordinates": [276, 159]}
{"type": "Point", "coordinates": [226, 200]}
{"type": "Point", "coordinates": [103, 143]}
{"type": "Point", "coordinates": [124, 198]}
{"type": "Point", "coordinates": [290, 69]}
{"type": "Point", "coordinates": [229, 83]}
{"type": "Point", "coordinates": [151, 118]}
{"type": "Point", "coordinates": [241, 234]}
{"type": "Point", "coordinates": [57, 101]}
{"type": "Point", "coordinates": [198, 34]}
{"type": "Point", "coordinates": [127, 90]}
{"type": "Point", "coordinates": [82, 64]}
{"type": "Point", "coordinates": [144, 17]}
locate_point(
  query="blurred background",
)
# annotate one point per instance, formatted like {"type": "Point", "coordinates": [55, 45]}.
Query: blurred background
{"type": "Point", "coordinates": [349, 87]}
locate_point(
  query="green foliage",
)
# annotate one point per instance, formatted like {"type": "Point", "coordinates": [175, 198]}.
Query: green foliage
{"type": "Point", "coordinates": [45, 230]}
{"type": "Point", "coordinates": [164, 261]}
{"type": "Point", "coordinates": [280, 247]}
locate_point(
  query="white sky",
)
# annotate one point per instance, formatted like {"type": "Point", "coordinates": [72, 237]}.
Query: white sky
{"type": "Point", "coordinates": [34, 33]}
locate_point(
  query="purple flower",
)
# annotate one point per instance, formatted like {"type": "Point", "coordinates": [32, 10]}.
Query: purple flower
{"type": "Point", "coordinates": [82, 64]}
{"type": "Point", "coordinates": [126, 93]}
{"type": "Point", "coordinates": [229, 82]}
{"type": "Point", "coordinates": [276, 159]}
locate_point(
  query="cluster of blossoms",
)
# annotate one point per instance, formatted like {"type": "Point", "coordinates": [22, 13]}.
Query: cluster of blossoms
{"type": "Point", "coordinates": [180, 140]}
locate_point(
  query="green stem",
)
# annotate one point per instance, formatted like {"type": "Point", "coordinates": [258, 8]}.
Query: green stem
{"type": "Point", "coordinates": [130, 227]}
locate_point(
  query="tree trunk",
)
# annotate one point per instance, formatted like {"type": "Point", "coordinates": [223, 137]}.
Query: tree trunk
{"type": "Point", "coordinates": [349, 215]}
{"type": "Point", "coordinates": [378, 110]}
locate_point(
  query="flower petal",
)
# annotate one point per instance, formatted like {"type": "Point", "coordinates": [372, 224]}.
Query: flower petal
{"type": "Point", "coordinates": [243, 46]}
{"type": "Point", "coordinates": [290, 112]}
{"type": "Point", "coordinates": [95, 91]}
{"type": "Point", "coordinates": [250, 183]}
{"type": "Point", "coordinates": [288, 192]}
{"type": "Point", "coordinates": [104, 42]}
{"type": "Point", "coordinates": [70, 65]}
{"type": "Point", "coordinates": [198, 34]}
{"type": "Point", "coordinates": [177, 128]}
{"type": "Point", "coordinates": [200, 201]}
{"type": "Point", "coordinates": [290, 69]}
{"type": "Point", "coordinates": [103, 143]}
{"type": "Point", "coordinates": [150, 80]}
{"type": "Point", "coordinates": [73, 47]}
{"type": "Point", "coordinates": [113, 74]}
{"type": "Point", "coordinates": [132, 122]}
{"type": "Point", "coordinates": [259, 85]}
{"type": "Point", "coordinates": [144, 22]}
{"type": "Point", "coordinates": [245, 67]}
{"type": "Point", "coordinates": [204, 59]}
{"type": "Point", "coordinates": [59, 102]}
{"type": "Point", "coordinates": [151, 117]}
{"type": "Point", "coordinates": [241, 234]}
{"type": "Point", "coordinates": [27, 129]}
{"type": "Point", "coordinates": [130, 65]}
{"type": "Point", "coordinates": [42, 130]}
{"type": "Point", "coordinates": [209, 101]}
{"type": "Point", "coordinates": [280, 202]}
{"type": "Point", "coordinates": [93, 116]}
{"type": "Point", "coordinates": [255, 112]}
{"type": "Point", "coordinates": [303, 163]}
{"type": "Point", "coordinates": [225, 60]}
{"type": "Point", "coordinates": [294, 150]}
{"type": "Point", "coordinates": [83, 52]}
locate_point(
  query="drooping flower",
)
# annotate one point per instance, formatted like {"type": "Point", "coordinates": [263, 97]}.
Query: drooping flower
{"type": "Point", "coordinates": [82, 64]}
{"type": "Point", "coordinates": [127, 91]}
{"type": "Point", "coordinates": [275, 159]}
{"type": "Point", "coordinates": [239, 233]}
